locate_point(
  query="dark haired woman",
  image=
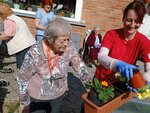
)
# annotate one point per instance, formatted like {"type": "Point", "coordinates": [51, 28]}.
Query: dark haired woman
{"type": "Point", "coordinates": [121, 48]}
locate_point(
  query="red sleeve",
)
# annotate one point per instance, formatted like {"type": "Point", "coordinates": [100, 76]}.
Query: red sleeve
{"type": "Point", "coordinates": [108, 40]}
{"type": "Point", "coordinates": [145, 49]}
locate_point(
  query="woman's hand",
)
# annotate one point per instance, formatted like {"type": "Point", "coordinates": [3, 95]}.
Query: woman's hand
{"type": "Point", "coordinates": [97, 45]}
{"type": "Point", "coordinates": [126, 69]}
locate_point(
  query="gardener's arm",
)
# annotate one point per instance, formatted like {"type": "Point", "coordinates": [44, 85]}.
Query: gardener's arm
{"type": "Point", "coordinates": [124, 68]}
{"type": "Point", "coordinates": [105, 60]}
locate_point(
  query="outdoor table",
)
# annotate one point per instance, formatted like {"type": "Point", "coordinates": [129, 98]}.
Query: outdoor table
{"type": "Point", "coordinates": [134, 106]}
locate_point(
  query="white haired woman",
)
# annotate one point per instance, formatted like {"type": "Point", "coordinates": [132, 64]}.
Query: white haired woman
{"type": "Point", "coordinates": [43, 77]}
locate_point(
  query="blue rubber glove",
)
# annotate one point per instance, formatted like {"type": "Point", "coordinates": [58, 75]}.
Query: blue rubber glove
{"type": "Point", "coordinates": [125, 69]}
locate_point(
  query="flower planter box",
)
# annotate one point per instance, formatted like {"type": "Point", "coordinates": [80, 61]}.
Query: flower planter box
{"type": "Point", "coordinates": [90, 107]}
{"type": "Point", "coordinates": [122, 96]}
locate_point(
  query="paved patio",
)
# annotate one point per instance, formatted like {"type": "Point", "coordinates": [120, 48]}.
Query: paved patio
{"type": "Point", "coordinates": [72, 101]}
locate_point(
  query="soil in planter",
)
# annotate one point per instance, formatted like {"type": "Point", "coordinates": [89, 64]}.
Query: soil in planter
{"type": "Point", "coordinates": [92, 96]}
{"type": "Point", "coordinates": [119, 86]}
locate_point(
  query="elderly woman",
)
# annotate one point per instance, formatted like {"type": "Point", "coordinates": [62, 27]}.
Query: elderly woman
{"type": "Point", "coordinates": [43, 76]}
{"type": "Point", "coordinates": [16, 33]}
{"type": "Point", "coordinates": [94, 42]}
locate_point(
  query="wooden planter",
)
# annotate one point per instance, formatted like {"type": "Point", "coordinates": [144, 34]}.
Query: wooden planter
{"type": "Point", "coordinates": [90, 107]}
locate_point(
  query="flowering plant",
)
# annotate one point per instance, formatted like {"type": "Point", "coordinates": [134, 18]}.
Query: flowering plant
{"type": "Point", "coordinates": [103, 90]}
{"type": "Point", "coordinates": [142, 92]}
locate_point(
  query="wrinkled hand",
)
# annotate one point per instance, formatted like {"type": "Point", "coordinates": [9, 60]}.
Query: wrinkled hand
{"type": "Point", "coordinates": [97, 45]}
{"type": "Point", "coordinates": [125, 69]}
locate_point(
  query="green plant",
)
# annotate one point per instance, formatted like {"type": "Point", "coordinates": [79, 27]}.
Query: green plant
{"type": "Point", "coordinates": [144, 92]}
{"type": "Point", "coordinates": [120, 78]}
{"type": "Point", "coordinates": [103, 90]}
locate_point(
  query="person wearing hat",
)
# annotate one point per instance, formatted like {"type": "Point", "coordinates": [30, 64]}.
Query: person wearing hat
{"type": "Point", "coordinates": [94, 42]}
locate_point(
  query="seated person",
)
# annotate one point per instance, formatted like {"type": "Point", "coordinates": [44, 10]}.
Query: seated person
{"type": "Point", "coordinates": [94, 42]}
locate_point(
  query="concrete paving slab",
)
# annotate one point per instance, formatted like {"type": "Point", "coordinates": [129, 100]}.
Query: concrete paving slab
{"type": "Point", "coordinates": [72, 101]}
{"type": "Point", "coordinates": [9, 95]}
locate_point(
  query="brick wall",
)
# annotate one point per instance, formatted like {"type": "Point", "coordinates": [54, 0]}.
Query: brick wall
{"type": "Point", "coordinates": [105, 13]}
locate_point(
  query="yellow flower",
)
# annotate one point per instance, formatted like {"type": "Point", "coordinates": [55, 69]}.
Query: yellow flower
{"type": "Point", "coordinates": [140, 96]}
{"type": "Point", "coordinates": [104, 83]}
{"type": "Point", "coordinates": [147, 90]}
{"type": "Point", "coordinates": [117, 74]}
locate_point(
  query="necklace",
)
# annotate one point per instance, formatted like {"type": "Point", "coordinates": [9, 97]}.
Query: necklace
{"type": "Point", "coordinates": [51, 63]}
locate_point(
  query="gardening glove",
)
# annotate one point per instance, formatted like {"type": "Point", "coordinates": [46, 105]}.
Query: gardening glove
{"type": "Point", "coordinates": [125, 69]}
{"type": "Point", "coordinates": [97, 45]}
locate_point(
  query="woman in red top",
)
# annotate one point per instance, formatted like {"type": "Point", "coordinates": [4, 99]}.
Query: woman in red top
{"type": "Point", "coordinates": [94, 43]}
{"type": "Point", "coordinates": [122, 47]}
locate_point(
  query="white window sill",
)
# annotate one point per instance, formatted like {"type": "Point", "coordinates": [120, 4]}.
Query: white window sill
{"type": "Point", "coordinates": [31, 14]}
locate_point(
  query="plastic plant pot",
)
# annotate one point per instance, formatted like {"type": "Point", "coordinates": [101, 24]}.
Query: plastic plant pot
{"type": "Point", "coordinates": [137, 81]}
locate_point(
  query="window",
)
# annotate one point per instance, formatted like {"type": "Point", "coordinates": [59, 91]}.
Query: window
{"type": "Point", "coordinates": [69, 9]}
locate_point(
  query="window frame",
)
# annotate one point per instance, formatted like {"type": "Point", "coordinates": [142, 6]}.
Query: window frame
{"type": "Point", "coordinates": [78, 12]}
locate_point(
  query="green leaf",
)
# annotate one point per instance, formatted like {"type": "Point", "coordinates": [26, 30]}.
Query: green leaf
{"type": "Point", "coordinates": [102, 96]}
{"type": "Point", "coordinates": [111, 94]}
{"type": "Point", "coordinates": [110, 89]}
{"type": "Point", "coordinates": [96, 82]}
{"type": "Point", "coordinates": [99, 90]}
{"type": "Point", "coordinates": [88, 85]}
